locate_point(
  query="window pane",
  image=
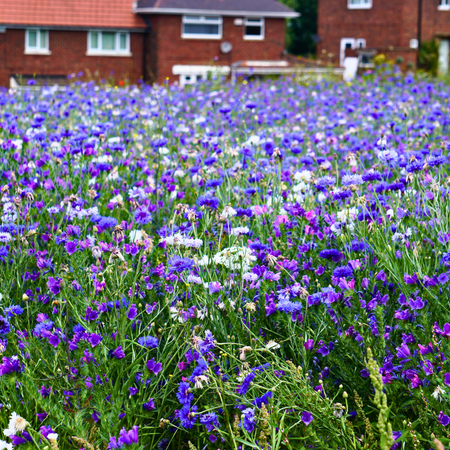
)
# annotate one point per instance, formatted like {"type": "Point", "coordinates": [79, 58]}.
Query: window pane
{"type": "Point", "coordinates": [253, 30]}
{"type": "Point", "coordinates": [108, 41]}
{"type": "Point", "coordinates": [32, 38]}
{"type": "Point", "coordinates": [123, 41]}
{"type": "Point", "coordinates": [212, 30]}
{"type": "Point", "coordinates": [193, 18]}
{"type": "Point", "coordinates": [212, 19]}
{"type": "Point", "coordinates": [43, 41]}
{"type": "Point", "coordinates": [94, 40]}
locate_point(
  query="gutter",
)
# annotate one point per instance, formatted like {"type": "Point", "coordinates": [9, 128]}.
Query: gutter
{"type": "Point", "coordinates": [217, 12]}
{"type": "Point", "coordinates": [419, 30]}
{"type": "Point", "coordinates": [146, 34]}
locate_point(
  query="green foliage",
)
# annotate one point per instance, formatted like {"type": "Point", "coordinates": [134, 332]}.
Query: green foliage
{"type": "Point", "coordinates": [302, 31]}
{"type": "Point", "coordinates": [429, 57]}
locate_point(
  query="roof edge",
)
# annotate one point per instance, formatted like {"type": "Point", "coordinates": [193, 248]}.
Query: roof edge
{"type": "Point", "coordinates": [177, 11]}
{"type": "Point", "coordinates": [137, 29]}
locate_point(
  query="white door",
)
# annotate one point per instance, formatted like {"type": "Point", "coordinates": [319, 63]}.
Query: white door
{"type": "Point", "coordinates": [346, 43]}
{"type": "Point", "coordinates": [443, 57]}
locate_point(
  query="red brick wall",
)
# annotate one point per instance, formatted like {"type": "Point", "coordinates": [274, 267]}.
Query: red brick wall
{"type": "Point", "coordinates": [380, 26]}
{"type": "Point", "coordinates": [68, 56]}
{"type": "Point", "coordinates": [435, 22]}
{"type": "Point", "coordinates": [168, 48]}
{"type": "Point", "coordinates": [388, 26]}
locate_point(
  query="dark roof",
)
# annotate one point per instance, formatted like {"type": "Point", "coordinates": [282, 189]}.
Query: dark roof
{"type": "Point", "coordinates": [266, 8]}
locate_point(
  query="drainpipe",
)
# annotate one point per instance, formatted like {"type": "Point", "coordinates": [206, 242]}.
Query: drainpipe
{"type": "Point", "coordinates": [147, 31]}
{"type": "Point", "coordinates": [419, 30]}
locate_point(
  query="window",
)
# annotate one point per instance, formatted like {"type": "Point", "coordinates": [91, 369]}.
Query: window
{"type": "Point", "coordinates": [109, 43]}
{"type": "Point", "coordinates": [36, 42]}
{"type": "Point", "coordinates": [444, 5]}
{"type": "Point", "coordinates": [360, 43]}
{"type": "Point", "coordinates": [359, 4]}
{"type": "Point", "coordinates": [202, 27]}
{"type": "Point", "coordinates": [254, 29]}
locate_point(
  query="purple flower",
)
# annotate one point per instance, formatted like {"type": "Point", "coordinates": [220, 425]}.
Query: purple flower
{"type": "Point", "coordinates": [4, 326]}
{"type": "Point", "coordinates": [149, 405]}
{"type": "Point", "coordinates": [142, 215]}
{"type": "Point", "coordinates": [184, 395]}
{"type": "Point", "coordinates": [154, 366]}
{"type": "Point", "coordinates": [447, 379]}
{"type": "Point", "coordinates": [130, 437]}
{"type": "Point", "coordinates": [54, 284]}
{"type": "Point", "coordinates": [54, 340]}
{"type": "Point", "coordinates": [118, 353]}
{"type": "Point", "coordinates": [443, 278]}
{"type": "Point", "coordinates": [244, 387]}
{"type": "Point", "coordinates": [343, 272]}
{"type": "Point", "coordinates": [323, 350]}
{"type": "Point", "coordinates": [178, 264]}
{"type": "Point", "coordinates": [210, 202]}
{"type": "Point", "coordinates": [94, 339]}
{"type": "Point", "coordinates": [410, 279]}
{"type": "Point", "coordinates": [403, 351]}
{"type": "Point", "coordinates": [307, 417]}
{"type": "Point", "coordinates": [332, 254]}
{"type": "Point", "coordinates": [214, 286]}
{"type": "Point", "coordinates": [71, 247]}
{"type": "Point", "coordinates": [248, 421]}
{"type": "Point", "coordinates": [309, 344]}
{"type": "Point", "coordinates": [132, 312]}
{"type": "Point", "coordinates": [148, 341]}
{"type": "Point", "coordinates": [188, 416]}
{"type": "Point", "coordinates": [443, 419]}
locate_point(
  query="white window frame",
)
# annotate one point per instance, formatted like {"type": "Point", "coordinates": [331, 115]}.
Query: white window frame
{"type": "Point", "coordinates": [38, 50]}
{"type": "Point", "coordinates": [366, 5]}
{"type": "Point", "coordinates": [444, 5]}
{"type": "Point", "coordinates": [99, 52]}
{"type": "Point", "coordinates": [360, 43]}
{"type": "Point", "coordinates": [201, 21]}
{"type": "Point", "coordinates": [261, 23]}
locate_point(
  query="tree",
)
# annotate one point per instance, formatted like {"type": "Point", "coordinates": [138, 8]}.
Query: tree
{"type": "Point", "coordinates": [302, 31]}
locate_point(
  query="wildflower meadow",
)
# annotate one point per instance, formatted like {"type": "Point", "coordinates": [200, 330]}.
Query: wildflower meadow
{"type": "Point", "coordinates": [263, 265]}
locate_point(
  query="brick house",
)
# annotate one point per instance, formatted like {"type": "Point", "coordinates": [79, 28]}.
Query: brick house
{"type": "Point", "coordinates": [393, 27]}
{"type": "Point", "coordinates": [154, 40]}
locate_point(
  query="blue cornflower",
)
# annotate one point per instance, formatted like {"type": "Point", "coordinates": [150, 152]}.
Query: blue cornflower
{"type": "Point", "coordinates": [343, 272]}
{"type": "Point", "coordinates": [178, 264]}
{"type": "Point", "coordinates": [184, 395]}
{"type": "Point", "coordinates": [248, 421]}
{"type": "Point", "coordinates": [245, 386]}
{"type": "Point", "coordinates": [148, 341]}
{"type": "Point", "coordinates": [210, 202]}
{"type": "Point", "coordinates": [188, 416]}
{"type": "Point", "coordinates": [14, 310]}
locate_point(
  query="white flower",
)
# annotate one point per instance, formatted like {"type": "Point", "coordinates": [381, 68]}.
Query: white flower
{"type": "Point", "coordinates": [199, 380]}
{"type": "Point", "coordinates": [194, 279]}
{"type": "Point", "coordinates": [204, 261]}
{"type": "Point", "coordinates": [304, 175]}
{"type": "Point", "coordinates": [382, 142]}
{"type": "Point", "coordinates": [272, 345]}
{"type": "Point", "coordinates": [438, 394]}
{"type": "Point", "coordinates": [16, 424]}
{"type": "Point", "coordinates": [52, 436]}
{"type": "Point", "coordinates": [235, 258]}
{"type": "Point", "coordinates": [5, 446]}
{"type": "Point", "coordinates": [228, 212]}
{"type": "Point", "coordinates": [239, 231]}
{"type": "Point", "coordinates": [135, 235]}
